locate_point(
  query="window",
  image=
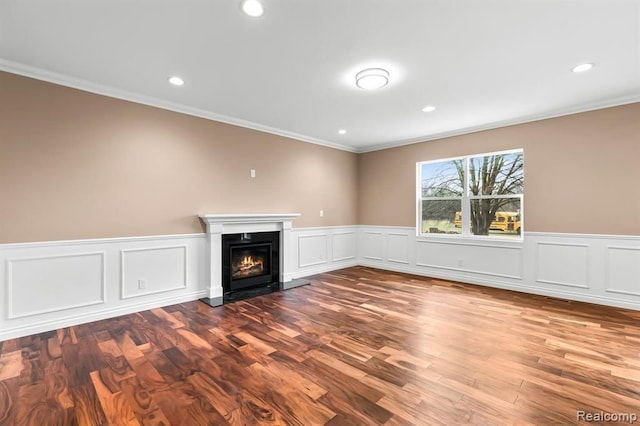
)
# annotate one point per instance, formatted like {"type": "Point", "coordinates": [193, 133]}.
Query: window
{"type": "Point", "coordinates": [478, 195]}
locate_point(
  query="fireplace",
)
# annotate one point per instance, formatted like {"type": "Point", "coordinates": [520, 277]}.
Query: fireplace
{"type": "Point", "coordinates": [250, 260]}
{"type": "Point", "coordinates": [230, 234]}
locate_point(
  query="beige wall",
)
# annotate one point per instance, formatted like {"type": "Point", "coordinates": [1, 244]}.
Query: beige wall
{"type": "Point", "coordinates": [582, 172]}
{"type": "Point", "coordinates": [76, 165]}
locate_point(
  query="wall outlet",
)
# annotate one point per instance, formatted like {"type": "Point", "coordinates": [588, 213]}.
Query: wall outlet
{"type": "Point", "coordinates": [142, 284]}
{"type": "Point", "coordinates": [253, 173]}
{"type": "Point", "coordinates": [321, 213]}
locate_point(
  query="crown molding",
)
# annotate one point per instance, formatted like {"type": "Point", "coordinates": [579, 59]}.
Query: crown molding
{"type": "Point", "coordinates": [112, 92]}
{"type": "Point", "coordinates": [575, 109]}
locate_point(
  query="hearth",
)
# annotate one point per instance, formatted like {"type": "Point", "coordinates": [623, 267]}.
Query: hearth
{"type": "Point", "coordinates": [250, 261]}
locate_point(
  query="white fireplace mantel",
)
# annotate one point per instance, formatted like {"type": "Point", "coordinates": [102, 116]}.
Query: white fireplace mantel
{"type": "Point", "coordinates": [230, 223]}
{"type": "Point", "coordinates": [218, 224]}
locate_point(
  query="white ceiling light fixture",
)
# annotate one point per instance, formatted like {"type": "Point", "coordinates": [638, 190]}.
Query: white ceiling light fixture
{"type": "Point", "coordinates": [429, 108]}
{"type": "Point", "coordinates": [176, 81]}
{"type": "Point", "coordinates": [252, 8]}
{"type": "Point", "coordinates": [582, 67]}
{"type": "Point", "coordinates": [372, 78]}
{"type": "Point", "coordinates": [342, 132]}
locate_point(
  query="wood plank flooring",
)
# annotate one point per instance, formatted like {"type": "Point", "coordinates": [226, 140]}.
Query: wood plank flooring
{"type": "Point", "coordinates": [356, 347]}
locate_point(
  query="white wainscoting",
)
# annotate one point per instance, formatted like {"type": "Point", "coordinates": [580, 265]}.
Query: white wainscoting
{"type": "Point", "coordinates": [49, 285]}
{"type": "Point", "coordinates": [57, 284]}
{"type": "Point", "coordinates": [324, 249]}
{"type": "Point", "coordinates": [590, 268]}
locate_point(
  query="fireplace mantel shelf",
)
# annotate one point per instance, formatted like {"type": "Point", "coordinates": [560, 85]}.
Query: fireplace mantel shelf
{"type": "Point", "coordinates": [248, 217]}
{"type": "Point", "coordinates": [233, 222]}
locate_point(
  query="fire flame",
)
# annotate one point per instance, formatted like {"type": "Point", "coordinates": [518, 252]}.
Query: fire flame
{"type": "Point", "coordinates": [248, 262]}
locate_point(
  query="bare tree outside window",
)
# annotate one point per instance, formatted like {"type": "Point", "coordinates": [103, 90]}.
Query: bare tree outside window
{"type": "Point", "coordinates": [441, 193]}
{"type": "Point", "coordinates": [492, 201]}
{"type": "Point", "coordinates": [492, 179]}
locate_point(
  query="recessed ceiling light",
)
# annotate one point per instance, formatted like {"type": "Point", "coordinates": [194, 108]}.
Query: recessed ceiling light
{"type": "Point", "coordinates": [342, 132]}
{"type": "Point", "coordinates": [176, 81]}
{"type": "Point", "coordinates": [372, 78]}
{"type": "Point", "coordinates": [252, 8]}
{"type": "Point", "coordinates": [582, 67]}
{"type": "Point", "coordinates": [429, 108]}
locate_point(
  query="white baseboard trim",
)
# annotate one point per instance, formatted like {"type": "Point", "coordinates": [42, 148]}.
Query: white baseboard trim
{"type": "Point", "coordinates": [496, 283]}
{"type": "Point", "coordinates": [73, 320]}
{"type": "Point", "coordinates": [307, 272]}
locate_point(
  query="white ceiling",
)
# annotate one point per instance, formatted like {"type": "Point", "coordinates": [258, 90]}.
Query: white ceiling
{"type": "Point", "coordinates": [482, 63]}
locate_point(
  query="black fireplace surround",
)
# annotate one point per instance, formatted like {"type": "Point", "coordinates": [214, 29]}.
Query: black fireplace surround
{"type": "Point", "coordinates": [250, 261]}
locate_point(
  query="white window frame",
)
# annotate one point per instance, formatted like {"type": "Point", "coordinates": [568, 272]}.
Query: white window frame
{"type": "Point", "coordinates": [465, 200]}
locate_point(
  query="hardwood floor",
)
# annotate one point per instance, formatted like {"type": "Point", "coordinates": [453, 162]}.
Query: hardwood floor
{"type": "Point", "coordinates": [357, 346]}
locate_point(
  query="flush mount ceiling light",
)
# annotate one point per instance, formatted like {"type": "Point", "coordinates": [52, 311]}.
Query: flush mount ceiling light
{"type": "Point", "coordinates": [176, 81]}
{"type": "Point", "coordinates": [372, 78]}
{"type": "Point", "coordinates": [252, 8]}
{"type": "Point", "coordinates": [429, 108]}
{"type": "Point", "coordinates": [342, 132]}
{"type": "Point", "coordinates": [582, 67]}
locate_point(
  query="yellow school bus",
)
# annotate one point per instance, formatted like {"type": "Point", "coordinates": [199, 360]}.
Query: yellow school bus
{"type": "Point", "coordinates": [502, 221]}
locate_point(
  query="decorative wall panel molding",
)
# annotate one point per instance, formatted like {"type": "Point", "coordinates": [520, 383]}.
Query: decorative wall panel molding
{"type": "Point", "coordinates": [312, 250]}
{"type": "Point", "coordinates": [373, 245]}
{"type": "Point", "coordinates": [344, 245]}
{"type": "Point", "coordinates": [493, 260]}
{"type": "Point", "coordinates": [152, 270]}
{"type": "Point", "coordinates": [42, 284]}
{"type": "Point", "coordinates": [623, 270]}
{"type": "Point", "coordinates": [398, 248]}
{"type": "Point", "coordinates": [565, 264]}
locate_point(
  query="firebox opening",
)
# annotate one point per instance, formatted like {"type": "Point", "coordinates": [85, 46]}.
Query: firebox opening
{"type": "Point", "coordinates": [252, 261]}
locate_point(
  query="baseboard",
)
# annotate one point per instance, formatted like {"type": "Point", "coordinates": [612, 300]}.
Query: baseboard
{"type": "Point", "coordinates": [334, 266]}
{"type": "Point", "coordinates": [504, 285]}
{"type": "Point", "coordinates": [73, 320]}
{"type": "Point", "coordinates": [294, 283]}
